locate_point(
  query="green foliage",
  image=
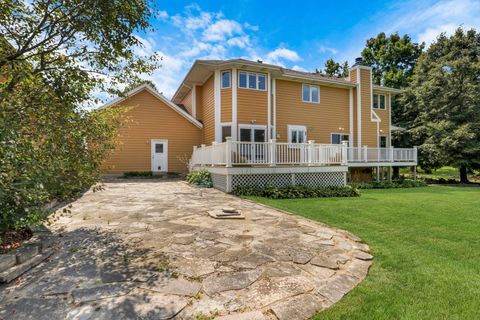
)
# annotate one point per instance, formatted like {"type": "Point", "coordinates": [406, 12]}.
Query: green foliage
{"type": "Point", "coordinates": [445, 94]}
{"type": "Point", "coordinates": [335, 69]}
{"type": "Point", "coordinates": [52, 56]}
{"type": "Point", "coordinates": [401, 183]}
{"type": "Point", "coordinates": [200, 177]}
{"type": "Point", "coordinates": [295, 192]}
{"type": "Point", "coordinates": [137, 174]}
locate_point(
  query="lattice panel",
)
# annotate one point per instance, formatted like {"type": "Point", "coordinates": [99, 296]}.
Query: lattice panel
{"type": "Point", "coordinates": [314, 179]}
{"type": "Point", "coordinates": [320, 179]}
{"type": "Point", "coordinates": [219, 181]}
{"type": "Point", "coordinates": [278, 180]}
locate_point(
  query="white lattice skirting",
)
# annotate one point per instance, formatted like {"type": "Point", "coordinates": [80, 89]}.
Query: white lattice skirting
{"type": "Point", "coordinates": [228, 183]}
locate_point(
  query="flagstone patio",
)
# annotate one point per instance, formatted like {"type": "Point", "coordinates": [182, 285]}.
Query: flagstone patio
{"type": "Point", "coordinates": [149, 250]}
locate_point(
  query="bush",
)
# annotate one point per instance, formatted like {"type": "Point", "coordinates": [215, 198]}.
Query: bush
{"type": "Point", "coordinates": [200, 177]}
{"type": "Point", "coordinates": [440, 181]}
{"type": "Point", "coordinates": [402, 183]}
{"type": "Point", "coordinates": [296, 192]}
{"type": "Point", "coordinates": [137, 174]}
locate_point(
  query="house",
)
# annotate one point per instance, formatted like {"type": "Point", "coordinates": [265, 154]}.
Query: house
{"type": "Point", "coordinates": [255, 123]}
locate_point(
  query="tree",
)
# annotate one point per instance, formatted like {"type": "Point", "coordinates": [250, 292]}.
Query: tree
{"type": "Point", "coordinates": [335, 69]}
{"type": "Point", "coordinates": [445, 94]}
{"type": "Point", "coordinates": [53, 54]}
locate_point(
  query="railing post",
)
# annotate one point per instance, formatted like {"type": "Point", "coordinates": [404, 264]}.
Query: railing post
{"type": "Point", "coordinates": [212, 153]}
{"type": "Point", "coordinates": [415, 154]}
{"type": "Point", "coordinates": [344, 153]}
{"type": "Point", "coordinates": [365, 153]}
{"type": "Point", "coordinates": [228, 151]}
{"type": "Point", "coordinates": [193, 159]}
{"type": "Point", "coordinates": [391, 154]}
{"type": "Point", "coordinates": [272, 149]}
{"type": "Point", "coordinates": [203, 161]}
{"type": "Point", "coordinates": [310, 152]}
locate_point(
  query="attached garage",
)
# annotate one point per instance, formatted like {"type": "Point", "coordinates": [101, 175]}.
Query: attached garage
{"type": "Point", "coordinates": [158, 137]}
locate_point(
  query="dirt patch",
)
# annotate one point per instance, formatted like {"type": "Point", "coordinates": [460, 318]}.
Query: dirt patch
{"type": "Point", "coordinates": [14, 239]}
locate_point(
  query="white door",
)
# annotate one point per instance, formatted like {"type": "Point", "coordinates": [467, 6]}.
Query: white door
{"type": "Point", "coordinates": [159, 155]}
{"type": "Point", "coordinates": [253, 152]}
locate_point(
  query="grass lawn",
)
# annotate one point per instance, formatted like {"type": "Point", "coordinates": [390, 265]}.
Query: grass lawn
{"type": "Point", "coordinates": [426, 247]}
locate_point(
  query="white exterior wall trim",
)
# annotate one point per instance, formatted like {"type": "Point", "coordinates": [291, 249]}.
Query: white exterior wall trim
{"type": "Point", "coordinates": [269, 107]}
{"type": "Point", "coordinates": [350, 112]}
{"type": "Point", "coordinates": [234, 104]}
{"type": "Point", "coordinates": [217, 104]}
{"type": "Point", "coordinates": [194, 101]}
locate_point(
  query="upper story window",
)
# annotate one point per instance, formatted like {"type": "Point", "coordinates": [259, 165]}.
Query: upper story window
{"type": "Point", "coordinates": [225, 79]}
{"type": "Point", "coordinates": [338, 138]}
{"type": "Point", "coordinates": [379, 101]}
{"type": "Point", "coordinates": [310, 93]}
{"type": "Point", "coordinates": [252, 80]}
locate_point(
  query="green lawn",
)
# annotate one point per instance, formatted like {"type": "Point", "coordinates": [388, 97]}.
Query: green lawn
{"type": "Point", "coordinates": [426, 247]}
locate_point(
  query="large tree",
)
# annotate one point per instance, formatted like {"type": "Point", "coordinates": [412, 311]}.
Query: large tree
{"type": "Point", "coordinates": [445, 96]}
{"type": "Point", "coordinates": [53, 55]}
{"type": "Point", "coordinates": [335, 69]}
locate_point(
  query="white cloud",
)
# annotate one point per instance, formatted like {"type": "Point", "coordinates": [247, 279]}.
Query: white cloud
{"type": "Point", "coordinates": [162, 14]}
{"type": "Point", "coordinates": [298, 68]}
{"type": "Point", "coordinates": [324, 49]}
{"type": "Point", "coordinates": [222, 29]}
{"type": "Point", "coordinates": [241, 42]}
{"type": "Point", "coordinates": [283, 54]}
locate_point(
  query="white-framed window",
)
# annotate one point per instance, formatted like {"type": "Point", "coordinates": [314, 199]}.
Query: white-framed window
{"type": "Point", "coordinates": [226, 79]}
{"type": "Point", "coordinates": [252, 80]}
{"type": "Point", "coordinates": [379, 101]}
{"type": "Point", "coordinates": [297, 134]}
{"type": "Point", "coordinates": [339, 138]}
{"type": "Point", "coordinates": [226, 131]}
{"type": "Point", "coordinates": [383, 141]}
{"type": "Point", "coordinates": [310, 93]}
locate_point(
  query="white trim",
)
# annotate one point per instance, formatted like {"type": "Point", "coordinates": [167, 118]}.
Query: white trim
{"type": "Point", "coordinates": [268, 169]}
{"type": "Point", "coordinates": [274, 90]}
{"type": "Point", "coordinates": [390, 118]}
{"type": "Point", "coordinates": [217, 104]}
{"type": "Point", "coordinates": [339, 133]}
{"type": "Point", "coordinates": [378, 134]}
{"type": "Point", "coordinates": [359, 110]}
{"type": "Point", "coordinates": [165, 151]}
{"type": "Point", "coordinates": [159, 96]}
{"type": "Point", "coordinates": [251, 127]}
{"type": "Point", "coordinates": [194, 101]}
{"type": "Point", "coordinates": [234, 104]}
{"type": "Point", "coordinates": [229, 80]}
{"type": "Point", "coordinates": [374, 116]}
{"type": "Point", "coordinates": [292, 127]}
{"type": "Point", "coordinates": [350, 111]}
{"type": "Point", "coordinates": [248, 80]}
{"type": "Point", "coordinates": [269, 105]}
{"type": "Point", "coordinates": [310, 93]}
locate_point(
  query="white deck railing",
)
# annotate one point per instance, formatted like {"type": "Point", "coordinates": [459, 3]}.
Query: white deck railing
{"type": "Point", "coordinates": [273, 153]}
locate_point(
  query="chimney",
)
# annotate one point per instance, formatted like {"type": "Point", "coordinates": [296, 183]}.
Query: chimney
{"type": "Point", "coordinates": [358, 61]}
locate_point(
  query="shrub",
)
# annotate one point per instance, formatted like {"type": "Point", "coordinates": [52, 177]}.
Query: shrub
{"type": "Point", "coordinates": [137, 174]}
{"type": "Point", "coordinates": [402, 183]}
{"type": "Point", "coordinates": [296, 192]}
{"type": "Point", "coordinates": [200, 177]}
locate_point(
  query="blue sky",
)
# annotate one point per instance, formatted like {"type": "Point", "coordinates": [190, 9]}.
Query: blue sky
{"type": "Point", "coordinates": [296, 34]}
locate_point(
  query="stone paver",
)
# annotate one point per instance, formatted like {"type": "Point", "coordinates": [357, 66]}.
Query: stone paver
{"type": "Point", "coordinates": [148, 250]}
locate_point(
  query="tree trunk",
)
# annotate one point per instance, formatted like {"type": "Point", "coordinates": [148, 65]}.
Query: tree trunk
{"type": "Point", "coordinates": [463, 174]}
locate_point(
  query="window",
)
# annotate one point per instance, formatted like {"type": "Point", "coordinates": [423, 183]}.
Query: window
{"type": "Point", "coordinates": [159, 148]}
{"type": "Point", "coordinates": [310, 93]}
{"type": "Point", "coordinates": [242, 79]}
{"type": "Point", "coordinates": [225, 79]}
{"type": "Point", "coordinates": [338, 138]}
{"type": "Point", "coordinates": [297, 134]}
{"type": "Point", "coordinates": [226, 132]}
{"type": "Point", "coordinates": [379, 101]}
{"type": "Point", "coordinates": [383, 141]}
{"type": "Point", "coordinates": [251, 80]}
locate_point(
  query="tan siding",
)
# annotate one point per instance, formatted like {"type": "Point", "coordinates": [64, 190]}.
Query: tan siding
{"type": "Point", "coordinates": [187, 101]}
{"type": "Point", "coordinates": [252, 105]}
{"type": "Point", "coordinates": [369, 128]}
{"type": "Point", "coordinates": [208, 110]}
{"type": "Point", "coordinates": [226, 103]}
{"type": "Point", "coordinates": [151, 118]}
{"type": "Point", "coordinates": [321, 119]}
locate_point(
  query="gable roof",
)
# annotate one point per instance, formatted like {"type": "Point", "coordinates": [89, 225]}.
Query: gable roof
{"type": "Point", "coordinates": [159, 96]}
